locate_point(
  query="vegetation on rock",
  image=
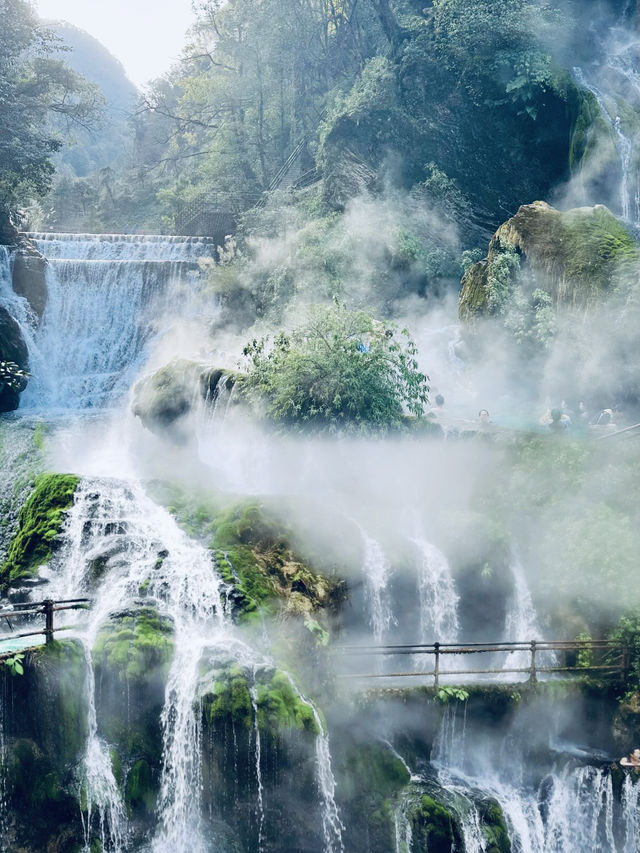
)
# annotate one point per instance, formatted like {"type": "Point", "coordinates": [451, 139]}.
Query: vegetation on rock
{"type": "Point", "coordinates": [39, 524]}
{"type": "Point", "coordinates": [278, 705]}
{"type": "Point", "coordinates": [135, 644]}
{"type": "Point", "coordinates": [341, 371]}
{"type": "Point", "coordinates": [578, 255]}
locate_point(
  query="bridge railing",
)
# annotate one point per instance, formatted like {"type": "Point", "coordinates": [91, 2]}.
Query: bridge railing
{"type": "Point", "coordinates": [45, 608]}
{"type": "Point", "coordinates": [536, 657]}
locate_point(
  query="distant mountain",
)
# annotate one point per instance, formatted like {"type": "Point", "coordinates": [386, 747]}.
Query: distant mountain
{"type": "Point", "coordinates": [91, 58]}
{"type": "Point", "coordinates": [90, 151]}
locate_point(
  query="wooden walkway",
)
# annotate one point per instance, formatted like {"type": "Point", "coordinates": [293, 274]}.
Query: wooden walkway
{"type": "Point", "coordinates": [598, 658]}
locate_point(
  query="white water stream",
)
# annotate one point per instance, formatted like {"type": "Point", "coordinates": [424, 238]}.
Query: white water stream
{"type": "Point", "coordinates": [106, 295]}
{"type": "Point", "coordinates": [572, 809]}
{"type": "Point", "coordinates": [147, 549]}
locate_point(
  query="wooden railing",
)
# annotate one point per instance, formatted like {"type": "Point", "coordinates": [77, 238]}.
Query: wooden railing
{"type": "Point", "coordinates": [46, 608]}
{"type": "Point", "coordinates": [601, 657]}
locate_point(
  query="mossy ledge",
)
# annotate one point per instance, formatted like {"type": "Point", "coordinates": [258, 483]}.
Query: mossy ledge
{"type": "Point", "coordinates": [580, 254]}
{"type": "Point", "coordinates": [39, 524]}
{"type": "Point", "coordinates": [279, 706]}
{"type": "Point", "coordinates": [134, 644]}
{"type": "Point", "coordinates": [255, 556]}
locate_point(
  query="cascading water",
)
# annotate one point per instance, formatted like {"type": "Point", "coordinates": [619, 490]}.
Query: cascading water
{"type": "Point", "coordinates": [614, 81]}
{"type": "Point", "coordinates": [569, 808]}
{"type": "Point", "coordinates": [147, 550]}
{"type": "Point", "coordinates": [376, 574]}
{"type": "Point", "coordinates": [628, 193]}
{"type": "Point", "coordinates": [521, 624]}
{"type": "Point", "coordinates": [105, 295]}
{"type": "Point", "coordinates": [437, 594]}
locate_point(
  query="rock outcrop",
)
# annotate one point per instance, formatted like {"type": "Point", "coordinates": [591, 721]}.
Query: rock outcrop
{"type": "Point", "coordinates": [164, 399]}
{"type": "Point", "coordinates": [29, 267]}
{"type": "Point", "coordinates": [12, 349]}
{"type": "Point", "coordinates": [575, 256]}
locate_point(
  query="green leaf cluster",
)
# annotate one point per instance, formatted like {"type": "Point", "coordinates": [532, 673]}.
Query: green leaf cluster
{"type": "Point", "coordinates": [341, 371]}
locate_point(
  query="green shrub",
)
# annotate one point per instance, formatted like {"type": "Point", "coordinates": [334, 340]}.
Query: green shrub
{"type": "Point", "coordinates": [340, 371]}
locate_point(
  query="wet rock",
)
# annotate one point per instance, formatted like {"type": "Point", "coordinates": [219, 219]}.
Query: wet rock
{"type": "Point", "coordinates": [14, 349]}
{"type": "Point", "coordinates": [575, 255]}
{"type": "Point", "coordinates": [164, 399]}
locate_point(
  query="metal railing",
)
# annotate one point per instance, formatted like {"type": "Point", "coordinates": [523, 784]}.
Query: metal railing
{"type": "Point", "coordinates": [46, 608]}
{"type": "Point", "coordinates": [603, 657]}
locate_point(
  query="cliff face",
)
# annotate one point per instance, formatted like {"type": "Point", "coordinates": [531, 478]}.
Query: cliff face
{"type": "Point", "coordinates": [576, 256]}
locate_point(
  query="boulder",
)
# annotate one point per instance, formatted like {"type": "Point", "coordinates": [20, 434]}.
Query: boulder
{"type": "Point", "coordinates": [576, 256]}
{"type": "Point", "coordinates": [14, 349]}
{"type": "Point", "coordinates": [165, 398]}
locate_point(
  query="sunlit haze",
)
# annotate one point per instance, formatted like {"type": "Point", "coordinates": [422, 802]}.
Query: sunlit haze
{"type": "Point", "coordinates": [147, 36]}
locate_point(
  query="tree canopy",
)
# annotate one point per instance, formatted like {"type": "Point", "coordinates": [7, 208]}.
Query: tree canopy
{"type": "Point", "coordinates": [339, 371]}
{"type": "Point", "coordinates": [34, 85]}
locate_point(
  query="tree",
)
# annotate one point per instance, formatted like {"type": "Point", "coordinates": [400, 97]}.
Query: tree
{"type": "Point", "coordinates": [34, 87]}
{"type": "Point", "coordinates": [341, 371]}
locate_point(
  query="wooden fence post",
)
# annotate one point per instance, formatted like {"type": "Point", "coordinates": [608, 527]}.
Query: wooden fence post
{"type": "Point", "coordinates": [48, 617]}
{"type": "Point", "coordinates": [436, 666]}
{"type": "Point", "coordinates": [532, 677]}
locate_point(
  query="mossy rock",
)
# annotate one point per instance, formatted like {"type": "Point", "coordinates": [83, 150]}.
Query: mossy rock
{"type": "Point", "coordinates": [494, 827]}
{"type": "Point", "coordinates": [579, 254]}
{"type": "Point", "coordinates": [39, 524]}
{"type": "Point", "coordinates": [164, 398]}
{"type": "Point", "coordinates": [254, 554]}
{"type": "Point", "coordinates": [12, 348]}
{"type": "Point", "coordinates": [279, 706]}
{"type": "Point", "coordinates": [135, 645]}
{"type": "Point", "coordinates": [434, 827]}
{"type": "Point", "coordinates": [140, 790]}
{"type": "Point", "coordinates": [373, 768]}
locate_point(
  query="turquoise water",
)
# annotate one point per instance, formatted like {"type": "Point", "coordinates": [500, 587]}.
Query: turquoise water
{"type": "Point", "coordinates": [19, 643]}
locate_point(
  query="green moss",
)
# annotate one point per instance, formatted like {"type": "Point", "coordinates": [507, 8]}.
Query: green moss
{"type": "Point", "coordinates": [580, 254]}
{"type": "Point", "coordinates": [229, 699]}
{"type": "Point", "coordinates": [60, 668]}
{"type": "Point", "coordinates": [494, 827]}
{"type": "Point", "coordinates": [434, 826]}
{"type": "Point", "coordinates": [373, 767]}
{"type": "Point", "coordinates": [279, 705]}
{"type": "Point", "coordinates": [39, 524]}
{"type": "Point", "coordinates": [134, 644]}
{"type": "Point", "coordinates": [253, 554]}
{"type": "Point", "coordinates": [590, 134]}
{"type": "Point", "coordinates": [139, 790]}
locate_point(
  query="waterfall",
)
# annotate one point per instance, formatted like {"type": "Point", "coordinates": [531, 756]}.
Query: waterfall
{"type": "Point", "coordinates": [568, 808]}
{"type": "Point", "coordinates": [146, 549]}
{"type": "Point", "coordinates": [613, 79]}
{"type": "Point", "coordinates": [105, 294]}
{"type": "Point", "coordinates": [521, 624]}
{"type": "Point", "coordinates": [403, 835]}
{"type": "Point", "coordinates": [629, 201]}
{"type": "Point", "coordinates": [437, 595]}
{"type": "Point", "coordinates": [376, 573]}
{"type": "Point", "coordinates": [257, 744]}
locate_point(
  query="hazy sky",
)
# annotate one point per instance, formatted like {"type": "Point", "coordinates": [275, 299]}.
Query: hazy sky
{"type": "Point", "coordinates": [145, 35]}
